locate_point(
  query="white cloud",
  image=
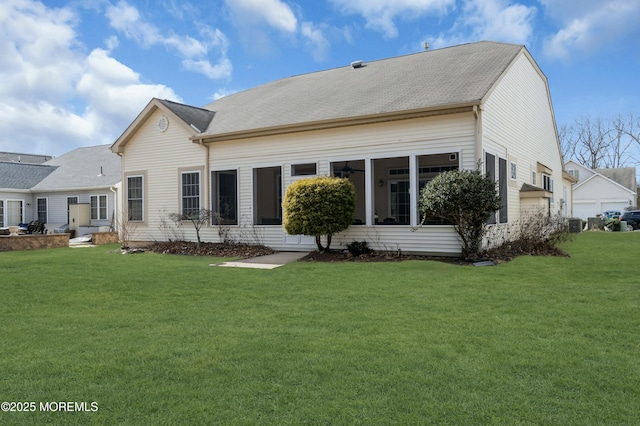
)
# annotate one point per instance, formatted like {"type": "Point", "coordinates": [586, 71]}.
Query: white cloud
{"type": "Point", "coordinates": [53, 97]}
{"type": "Point", "coordinates": [275, 13]}
{"type": "Point", "coordinates": [381, 14]}
{"type": "Point", "coordinates": [590, 25]}
{"type": "Point", "coordinates": [221, 70]}
{"type": "Point", "coordinates": [221, 93]}
{"type": "Point", "coordinates": [35, 60]}
{"type": "Point", "coordinates": [316, 40]}
{"type": "Point", "coordinates": [499, 20]}
{"type": "Point", "coordinates": [126, 19]}
{"type": "Point", "coordinates": [495, 20]}
{"type": "Point", "coordinates": [114, 92]}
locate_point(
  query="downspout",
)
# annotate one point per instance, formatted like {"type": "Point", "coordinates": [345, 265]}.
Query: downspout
{"type": "Point", "coordinates": [477, 111]}
{"type": "Point", "coordinates": [207, 178]}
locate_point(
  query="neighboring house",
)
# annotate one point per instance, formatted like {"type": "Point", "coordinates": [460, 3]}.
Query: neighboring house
{"type": "Point", "coordinates": [16, 199]}
{"type": "Point", "coordinates": [600, 190]}
{"type": "Point", "coordinates": [389, 126]}
{"type": "Point", "coordinates": [44, 192]}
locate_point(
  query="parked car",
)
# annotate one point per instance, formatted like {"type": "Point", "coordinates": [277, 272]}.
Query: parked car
{"type": "Point", "coordinates": [632, 218]}
{"type": "Point", "coordinates": [611, 214]}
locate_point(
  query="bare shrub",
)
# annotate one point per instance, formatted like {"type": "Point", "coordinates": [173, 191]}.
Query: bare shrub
{"type": "Point", "coordinates": [126, 230]}
{"type": "Point", "coordinates": [223, 227]}
{"type": "Point", "coordinates": [535, 233]}
{"type": "Point", "coordinates": [171, 229]}
{"type": "Point", "coordinates": [198, 219]}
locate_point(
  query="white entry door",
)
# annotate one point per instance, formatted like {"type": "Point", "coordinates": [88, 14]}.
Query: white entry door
{"type": "Point", "coordinates": [299, 240]}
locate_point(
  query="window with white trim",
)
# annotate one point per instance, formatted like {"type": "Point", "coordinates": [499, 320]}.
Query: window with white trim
{"type": "Point", "coordinates": [41, 206]}
{"type": "Point", "coordinates": [135, 198]}
{"type": "Point", "coordinates": [98, 207]}
{"type": "Point", "coordinates": [547, 185]}
{"type": "Point", "coordinates": [1, 212]}
{"type": "Point", "coordinates": [190, 193]}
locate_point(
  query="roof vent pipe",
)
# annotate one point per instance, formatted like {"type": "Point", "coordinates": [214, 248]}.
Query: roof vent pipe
{"type": "Point", "coordinates": [426, 45]}
{"type": "Point", "coordinates": [356, 64]}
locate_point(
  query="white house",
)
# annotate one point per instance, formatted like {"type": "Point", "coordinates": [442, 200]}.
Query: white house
{"type": "Point", "coordinates": [89, 176]}
{"type": "Point", "coordinates": [599, 190]}
{"type": "Point", "coordinates": [388, 125]}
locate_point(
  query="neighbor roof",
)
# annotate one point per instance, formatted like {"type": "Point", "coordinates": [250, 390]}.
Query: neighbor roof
{"type": "Point", "coordinates": [22, 175]}
{"type": "Point", "coordinates": [24, 158]}
{"type": "Point", "coordinates": [625, 176]}
{"type": "Point", "coordinates": [436, 79]}
{"type": "Point", "coordinates": [87, 167]}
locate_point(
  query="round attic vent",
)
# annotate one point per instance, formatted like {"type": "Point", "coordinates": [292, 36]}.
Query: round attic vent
{"type": "Point", "coordinates": [163, 123]}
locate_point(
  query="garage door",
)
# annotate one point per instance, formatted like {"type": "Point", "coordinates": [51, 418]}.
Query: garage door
{"type": "Point", "coordinates": [584, 210]}
{"type": "Point", "coordinates": [614, 206]}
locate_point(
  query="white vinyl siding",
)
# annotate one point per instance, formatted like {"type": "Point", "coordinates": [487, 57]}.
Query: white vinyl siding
{"type": "Point", "coordinates": [518, 123]}
{"type": "Point", "coordinates": [364, 144]}
{"type": "Point", "coordinates": [159, 154]}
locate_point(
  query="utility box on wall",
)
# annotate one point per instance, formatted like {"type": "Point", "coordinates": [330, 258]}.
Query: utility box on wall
{"type": "Point", "coordinates": [79, 215]}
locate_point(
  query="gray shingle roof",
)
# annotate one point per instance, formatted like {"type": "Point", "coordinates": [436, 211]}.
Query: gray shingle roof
{"type": "Point", "coordinates": [438, 78]}
{"type": "Point", "coordinates": [24, 158]}
{"type": "Point", "coordinates": [80, 168]}
{"type": "Point", "coordinates": [22, 175]}
{"type": "Point", "coordinates": [196, 117]}
{"type": "Point", "coordinates": [625, 176]}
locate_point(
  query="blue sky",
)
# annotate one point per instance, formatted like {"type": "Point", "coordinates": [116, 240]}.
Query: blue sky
{"type": "Point", "coordinates": [76, 73]}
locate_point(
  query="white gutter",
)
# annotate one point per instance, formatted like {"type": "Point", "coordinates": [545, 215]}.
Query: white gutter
{"type": "Point", "coordinates": [116, 218]}
{"type": "Point", "coordinates": [207, 178]}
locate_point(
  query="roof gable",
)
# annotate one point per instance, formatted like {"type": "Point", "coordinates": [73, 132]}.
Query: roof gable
{"type": "Point", "coordinates": [193, 119]}
{"type": "Point", "coordinates": [197, 118]}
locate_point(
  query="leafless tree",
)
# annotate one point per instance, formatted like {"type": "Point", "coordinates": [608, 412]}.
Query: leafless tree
{"type": "Point", "coordinates": [198, 218]}
{"type": "Point", "coordinates": [597, 143]}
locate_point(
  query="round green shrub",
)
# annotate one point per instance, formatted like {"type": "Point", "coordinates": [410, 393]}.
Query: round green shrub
{"type": "Point", "coordinates": [319, 206]}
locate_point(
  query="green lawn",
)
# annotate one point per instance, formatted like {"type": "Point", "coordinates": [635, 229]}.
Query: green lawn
{"type": "Point", "coordinates": [160, 339]}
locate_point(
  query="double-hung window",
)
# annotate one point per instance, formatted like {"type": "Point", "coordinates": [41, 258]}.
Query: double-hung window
{"type": "Point", "coordinates": [98, 207]}
{"type": "Point", "coordinates": [190, 193]}
{"type": "Point", "coordinates": [42, 209]}
{"type": "Point", "coordinates": [135, 198]}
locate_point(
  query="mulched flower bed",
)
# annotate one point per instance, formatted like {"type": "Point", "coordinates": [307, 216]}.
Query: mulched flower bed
{"type": "Point", "coordinates": [210, 249]}
{"type": "Point", "coordinates": [345, 256]}
{"type": "Point", "coordinates": [502, 254]}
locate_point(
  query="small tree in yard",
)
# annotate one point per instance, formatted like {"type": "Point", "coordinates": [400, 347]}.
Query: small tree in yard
{"type": "Point", "coordinates": [198, 218]}
{"type": "Point", "coordinates": [319, 206]}
{"type": "Point", "coordinates": [464, 198]}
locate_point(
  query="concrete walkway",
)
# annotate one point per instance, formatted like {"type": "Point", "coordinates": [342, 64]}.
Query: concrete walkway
{"type": "Point", "coordinates": [270, 261]}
